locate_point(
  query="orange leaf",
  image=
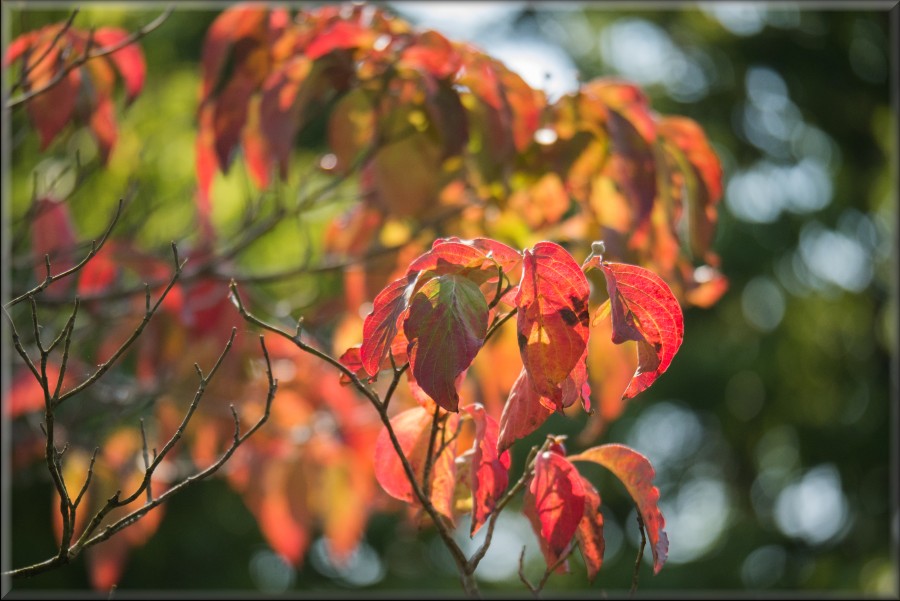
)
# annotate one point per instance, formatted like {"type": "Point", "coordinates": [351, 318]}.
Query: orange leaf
{"type": "Point", "coordinates": [552, 318]}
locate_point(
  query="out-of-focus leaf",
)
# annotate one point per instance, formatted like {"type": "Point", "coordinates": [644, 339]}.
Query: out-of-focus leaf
{"type": "Point", "coordinates": [552, 318]}
{"type": "Point", "coordinates": [636, 473]}
{"type": "Point", "coordinates": [129, 60]}
{"type": "Point", "coordinates": [445, 327]}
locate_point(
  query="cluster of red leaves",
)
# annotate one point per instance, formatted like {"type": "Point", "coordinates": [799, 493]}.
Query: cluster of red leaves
{"type": "Point", "coordinates": [436, 317]}
{"type": "Point", "coordinates": [431, 124]}
{"type": "Point", "coordinates": [47, 59]}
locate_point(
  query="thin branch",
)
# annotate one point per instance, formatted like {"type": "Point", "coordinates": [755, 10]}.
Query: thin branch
{"type": "Point", "coordinates": [640, 556]}
{"type": "Point", "coordinates": [31, 66]}
{"type": "Point", "coordinates": [146, 457]}
{"type": "Point", "coordinates": [17, 344]}
{"type": "Point", "coordinates": [504, 500]}
{"type": "Point", "coordinates": [536, 589]}
{"type": "Point", "coordinates": [88, 55]}
{"type": "Point", "coordinates": [49, 279]}
{"type": "Point", "coordinates": [429, 454]}
{"type": "Point", "coordinates": [85, 542]}
{"type": "Point", "coordinates": [87, 480]}
{"type": "Point", "coordinates": [498, 322]}
{"type": "Point", "coordinates": [148, 315]}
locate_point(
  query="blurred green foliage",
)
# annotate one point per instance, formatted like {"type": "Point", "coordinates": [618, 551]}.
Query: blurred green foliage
{"type": "Point", "coordinates": [772, 431]}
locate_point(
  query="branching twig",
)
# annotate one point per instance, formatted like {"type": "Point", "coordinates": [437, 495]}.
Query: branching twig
{"type": "Point", "coordinates": [88, 55]}
{"type": "Point", "coordinates": [88, 538]}
{"type": "Point", "coordinates": [148, 315]}
{"type": "Point", "coordinates": [49, 279]}
{"type": "Point", "coordinates": [31, 66]}
{"type": "Point", "coordinates": [536, 589]}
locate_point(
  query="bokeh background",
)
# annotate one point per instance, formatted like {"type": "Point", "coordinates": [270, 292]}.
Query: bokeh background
{"type": "Point", "coordinates": [774, 432]}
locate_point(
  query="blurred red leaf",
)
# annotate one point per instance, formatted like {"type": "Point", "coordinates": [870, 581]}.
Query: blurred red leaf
{"type": "Point", "coordinates": [129, 60]}
{"type": "Point", "coordinates": [552, 318]}
{"type": "Point", "coordinates": [636, 473]}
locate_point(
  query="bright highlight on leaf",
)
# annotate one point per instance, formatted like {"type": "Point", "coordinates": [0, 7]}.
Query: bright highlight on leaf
{"type": "Point", "coordinates": [552, 319]}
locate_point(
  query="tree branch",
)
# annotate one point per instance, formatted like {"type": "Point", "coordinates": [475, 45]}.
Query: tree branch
{"type": "Point", "coordinates": [88, 55]}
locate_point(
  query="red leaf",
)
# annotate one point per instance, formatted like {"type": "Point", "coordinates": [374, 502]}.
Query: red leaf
{"type": "Point", "coordinates": [52, 109]}
{"type": "Point", "coordinates": [340, 36]}
{"type": "Point", "coordinates": [413, 429]}
{"type": "Point", "coordinates": [103, 126]}
{"type": "Point", "coordinates": [52, 234]}
{"type": "Point", "coordinates": [280, 107]}
{"type": "Point", "coordinates": [644, 310]}
{"type": "Point", "coordinates": [230, 115]}
{"type": "Point", "coordinates": [523, 412]}
{"type": "Point", "coordinates": [129, 61]}
{"type": "Point", "coordinates": [380, 325]}
{"type": "Point", "coordinates": [552, 318]}
{"type": "Point", "coordinates": [490, 470]}
{"type": "Point", "coordinates": [590, 531]}
{"type": "Point", "coordinates": [234, 24]}
{"type": "Point", "coordinates": [502, 255]}
{"type": "Point", "coordinates": [446, 326]}
{"type": "Point", "coordinates": [432, 53]}
{"type": "Point", "coordinates": [554, 503]}
{"type": "Point", "coordinates": [636, 473]}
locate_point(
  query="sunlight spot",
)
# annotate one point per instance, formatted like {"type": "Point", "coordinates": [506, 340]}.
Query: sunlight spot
{"type": "Point", "coordinates": [813, 508]}
{"type": "Point", "coordinates": [271, 573]}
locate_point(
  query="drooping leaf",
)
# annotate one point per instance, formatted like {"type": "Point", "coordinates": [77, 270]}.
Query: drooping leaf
{"type": "Point", "coordinates": [523, 412]}
{"type": "Point", "coordinates": [489, 474]}
{"type": "Point", "coordinates": [446, 326]}
{"type": "Point", "coordinates": [644, 310]}
{"type": "Point", "coordinates": [413, 430]}
{"type": "Point", "coordinates": [636, 473]}
{"type": "Point", "coordinates": [380, 326]}
{"type": "Point", "coordinates": [554, 503]}
{"type": "Point", "coordinates": [552, 318]}
{"type": "Point", "coordinates": [129, 60]}
{"type": "Point", "coordinates": [590, 531]}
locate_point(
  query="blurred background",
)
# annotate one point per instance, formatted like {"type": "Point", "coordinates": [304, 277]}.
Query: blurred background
{"type": "Point", "coordinates": [774, 432]}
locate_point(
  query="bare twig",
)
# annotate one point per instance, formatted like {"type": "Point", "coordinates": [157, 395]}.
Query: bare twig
{"type": "Point", "coordinates": [88, 538]}
{"type": "Point", "coordinates": [429, 454]}
{"type": "Point", "coordinates": [49, 279]}
{"type": "Point", "coordinates": [89, 55]}
{"type": "Point", "coordinates": [536, 589]}
{"type": "Point", "coordinates": [148, 315]}
{"type": "Point", "coordinates": [30, 66]}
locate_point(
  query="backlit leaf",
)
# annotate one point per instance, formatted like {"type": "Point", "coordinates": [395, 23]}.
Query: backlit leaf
{"type": "Point", "coordinates": [489, 468]}
{"type": "Point", "coordinates": [554, 503]}
{"type": "Point", "coordinates": [636, 473]}
{"type": "Point", "coordinates": [590, 531]}
{"type": "Point", "coordinates": [445, 327]}
{"type": "Point", "coordinates": [644, 310]}
{"type": "Point", "coordinates": [552, 320]}
{"type": "Point", "coordinates": [380, 326]}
